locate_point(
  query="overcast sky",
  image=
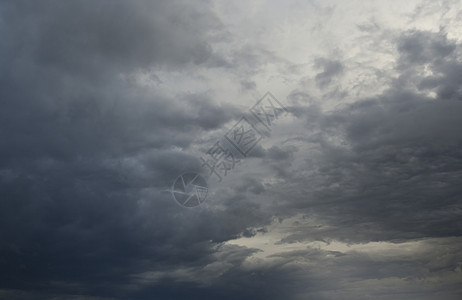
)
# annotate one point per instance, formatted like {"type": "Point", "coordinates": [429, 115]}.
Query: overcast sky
{"type": "Point", "coordinates": [355, 194]}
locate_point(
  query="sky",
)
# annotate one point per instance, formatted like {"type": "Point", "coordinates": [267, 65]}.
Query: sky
{"type": "Point", "coordinates": [353, 192]}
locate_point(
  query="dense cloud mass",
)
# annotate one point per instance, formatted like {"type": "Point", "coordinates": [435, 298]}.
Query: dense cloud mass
{"type": "Point", "coordinates": [353, 194]}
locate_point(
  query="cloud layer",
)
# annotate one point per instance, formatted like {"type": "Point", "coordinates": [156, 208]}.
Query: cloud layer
{"type": "Point", "coordinates": [354, 195]}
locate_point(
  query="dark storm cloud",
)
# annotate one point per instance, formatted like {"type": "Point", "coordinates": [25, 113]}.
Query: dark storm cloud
{"type": "Point", "coordinates": [87, 156]}
{"type": "Point", "coordinates": [418, 47]}
{"type": "Point", "coordinates": [79, 86]}
{"type": "Point", "coordinates": [437, 54]}
{"type": "Point", "coordinates": [87, 37]}
{"type": "Point", "coordinates": [86, 153]}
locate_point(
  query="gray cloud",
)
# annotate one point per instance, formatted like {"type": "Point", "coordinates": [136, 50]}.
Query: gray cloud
{"type": "Point", "coordinates": [389, 165]}
{"type": "Point", "coordinates": [88, 152]}
{"type": "Point", "coordinates": [330, 69]}
{"type": "Point", "coordinates": [84, 149]}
